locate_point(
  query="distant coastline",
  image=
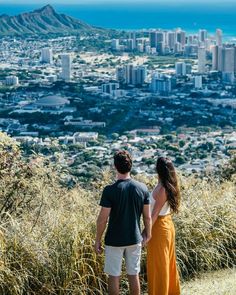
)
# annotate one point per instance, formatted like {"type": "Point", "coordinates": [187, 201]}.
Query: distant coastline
{"type": "Point", "coordinates": [142, 16]}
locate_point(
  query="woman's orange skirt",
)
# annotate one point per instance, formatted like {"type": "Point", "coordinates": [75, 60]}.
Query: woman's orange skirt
{"type": "Point", "coordinates": [162, 273]}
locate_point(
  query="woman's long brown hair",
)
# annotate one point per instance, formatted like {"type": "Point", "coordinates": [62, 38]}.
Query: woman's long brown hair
{"type": "Point", "coordinates": [167, 176]}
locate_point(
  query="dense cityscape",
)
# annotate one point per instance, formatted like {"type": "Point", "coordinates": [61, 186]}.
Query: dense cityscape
{"type": "Point", "coordinates": [118, 117]}
{"type": "Point", "coordinates": [156, 91]}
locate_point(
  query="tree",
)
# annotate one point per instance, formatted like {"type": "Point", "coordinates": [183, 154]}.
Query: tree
{"type": "Point", "coordinates": [179, 160]}
{"type": "Point", "coordinates": [115, 136]}
{"type": "Point", "coordinates": [181, 143]}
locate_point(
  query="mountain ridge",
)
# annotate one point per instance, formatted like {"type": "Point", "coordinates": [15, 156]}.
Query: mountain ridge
{"type": "Point", "coordinates": [44, 20]}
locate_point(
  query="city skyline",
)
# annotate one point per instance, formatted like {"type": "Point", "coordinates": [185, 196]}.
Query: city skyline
{"type": "Point", "coordinates": [128, 69]}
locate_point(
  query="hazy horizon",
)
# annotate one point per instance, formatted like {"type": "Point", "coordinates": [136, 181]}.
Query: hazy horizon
{"type": "Point", "coordinates": [43, 2]}
{"type": "Point", "coordinates": [167, 14]}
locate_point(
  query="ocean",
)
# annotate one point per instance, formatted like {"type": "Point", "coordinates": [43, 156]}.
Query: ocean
{"type": "Point", "coordinates": [190, 17]}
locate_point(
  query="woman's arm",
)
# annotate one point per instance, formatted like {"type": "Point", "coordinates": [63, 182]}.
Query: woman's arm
{"type": "Point", "coordinates": [159, 195]}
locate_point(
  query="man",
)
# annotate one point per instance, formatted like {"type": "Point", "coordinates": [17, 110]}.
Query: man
{"type": "Point", "coordinates": [123, 203]}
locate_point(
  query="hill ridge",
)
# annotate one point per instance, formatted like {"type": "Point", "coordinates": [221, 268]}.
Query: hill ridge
{"type": "Point", "coordinates": [44, 20]}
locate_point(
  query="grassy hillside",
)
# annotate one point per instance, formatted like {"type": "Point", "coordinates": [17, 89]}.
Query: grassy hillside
{"type": "Point", "coordinates": [47, 230]}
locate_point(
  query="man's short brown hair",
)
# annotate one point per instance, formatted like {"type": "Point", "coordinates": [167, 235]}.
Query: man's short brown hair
{"type": "Point", "coordinates": [123, 161]}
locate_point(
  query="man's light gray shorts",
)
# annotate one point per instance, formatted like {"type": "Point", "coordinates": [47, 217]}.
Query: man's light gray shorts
{"type": "Point", "coordinates": [114, 256]}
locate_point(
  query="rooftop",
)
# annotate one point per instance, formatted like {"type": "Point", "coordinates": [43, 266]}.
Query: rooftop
{"type": "Point", "coordinates": [53, 100]}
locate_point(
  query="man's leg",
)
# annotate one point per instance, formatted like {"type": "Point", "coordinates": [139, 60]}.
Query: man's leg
{"type": "Point", "coordinates": [132, 260]}
{"type": "Point", "coordinates": [134, 284]}
{"type": "Point", "coordinates": [113, 263]}
{"type": "Point", "coordinates": [113, 285]}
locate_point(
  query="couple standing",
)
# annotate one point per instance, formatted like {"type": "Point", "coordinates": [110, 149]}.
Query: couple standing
{"type": "Point", "coordinates": [122, 205]}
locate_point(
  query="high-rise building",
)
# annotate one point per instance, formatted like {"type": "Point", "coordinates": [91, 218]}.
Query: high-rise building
{"type": "Point", "coordinates": [160, 36]}
{"type": "Point", "coordinates": [156, 38]}
{"type": "Point", "coordinates": [148, 49]}
{"type": "Point", "coordinates": [215, 57]}
{"type": "Point", "coordinates": [130, 44]}
{"type": "Point", "coordinates": [181, 37]}
{"type": "Point", "coordinates": [115, 44]}
{"type": "Point", "coordinates": [161, 84]}
{"type": "Point", "coordinates": [66, 61]}
{"type": "Point", "coordinates": [128, 72]}
{"type": "Point", "coordinates": [132, 75]}
{"type": "Point", "coordinates": [198, 82]}
{"type": "Point", "coordinates": [228, 64]}
{"type": "Point", "coordinates": [178, 47]}
{"type": "Point", "coordinates": [201, 60]}
{"type": "Point", "coordinates": [120, 74]}
{"type": "Point", "coordinates": [165, 38]}
{"type": "Point", "coordinates": [132, 35]}
{"type": "Point", "coordinates": [140, 47]}
{"type": "Point", "coordinates": [153, 39]}
{"type": "Point", "coordinates": [220, 59]}
{"type": "Point", "coordinates": [202, 36]}
{"type": "Point", "coordinates": [140, 73]}
{"type": "Point", "coordinates": [191, 50]}
{"type": "Point", "coordinates": [188, 69]}
{"type": "Point", "coordinates": [160, 47]}
{"type": "Point", "coordinates": [228, 56]}
{"type": "Point", "coordinates": [180, 68]}
{"type": "Point", "coordinates": [208, 44]}
{"type": "Point", "coordinates": [109, 88]}
{"type": "Point", "coordinates": [171, 40]}
{"type": "Point", "coordinates": [192, 40]}
{"type": "Point", "coordinates": [46, 55]}
{"type": "Point", "coordinates": [224, 60]}
{"type": "Point", "coordinates": [219, 34]}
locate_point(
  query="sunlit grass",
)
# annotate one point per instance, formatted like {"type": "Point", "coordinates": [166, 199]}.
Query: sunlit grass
{"type": "Point", "coordinates": [47, 231]}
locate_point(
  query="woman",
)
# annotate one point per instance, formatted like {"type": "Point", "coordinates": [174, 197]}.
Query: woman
{"type": "Point", "coordinates": [162, 273]}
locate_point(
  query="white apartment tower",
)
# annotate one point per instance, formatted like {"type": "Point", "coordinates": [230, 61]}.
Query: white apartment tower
{"type": "Point", "coordinates": [46, 55]}
{"type": "Point", "coordinates": [66, 61]}
{"type": "Point", "coordinates": [115, 44]}
{"type": "Point", "coordinates": [171, 38]}
{"type": "Point", "coordinates": [228, 55]}
{"type": "Point", "coordinates": [219, 37]}
{"type": "Point", "coordinates": [181, 37]}
{"type": "Point", "coordinates": [202, 60]}
{"type": "Point", "coordinates": [198, 82]}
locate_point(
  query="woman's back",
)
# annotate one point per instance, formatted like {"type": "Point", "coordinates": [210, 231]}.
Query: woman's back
{"type": "Point", "coordinates": [165, 210]}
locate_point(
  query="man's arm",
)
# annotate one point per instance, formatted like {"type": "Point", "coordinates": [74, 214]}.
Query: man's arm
{"type": "Point", "coordinates": [147, 220]}
{"type": "Point", "coordinates": [101, 226]}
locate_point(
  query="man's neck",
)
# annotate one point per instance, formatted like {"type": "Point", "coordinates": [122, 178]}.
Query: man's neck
{"type": "Point", "coordinates": [123, 176]}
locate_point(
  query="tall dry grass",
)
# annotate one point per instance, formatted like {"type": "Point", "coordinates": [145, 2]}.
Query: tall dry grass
{"type": "Point", "coordinates": [47, 230]}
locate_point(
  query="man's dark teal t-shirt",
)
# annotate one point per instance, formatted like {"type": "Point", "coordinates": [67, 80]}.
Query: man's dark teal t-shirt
{"type": "Point", "coordinates": [126, 199]}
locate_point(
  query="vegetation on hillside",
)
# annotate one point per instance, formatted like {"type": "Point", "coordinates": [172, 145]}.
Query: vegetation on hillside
{"type": "Point", "coordinates": [47, 229]}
